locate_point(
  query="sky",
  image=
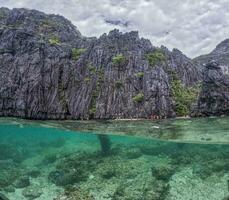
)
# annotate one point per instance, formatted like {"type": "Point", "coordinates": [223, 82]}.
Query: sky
{"type": "Point", "coordinates": [193, 26]}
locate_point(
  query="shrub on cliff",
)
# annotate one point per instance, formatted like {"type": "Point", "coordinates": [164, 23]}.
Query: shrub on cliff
{"type": "Point", "coordinates": [76, 53]}
{"type": "Point", "coordinates": [155, 57]}
{"type": "Point", "coordinates": [54, 40]}
{"type": "Point", "coordinates": [140, 74]}
{"type": "Point", "coordinates": [118, 60]}
{"type": "Point", "coordinates": [138, 98]}
{"type": "Point", "coordinates": [183, 96]}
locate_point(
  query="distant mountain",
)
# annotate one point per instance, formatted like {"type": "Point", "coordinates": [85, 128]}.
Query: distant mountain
{"type": "Point", "coordinates": [49, 70]}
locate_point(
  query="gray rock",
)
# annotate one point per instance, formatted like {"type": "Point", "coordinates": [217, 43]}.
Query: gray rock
{"type": "Point", "coordinates": [22, 182]}
{"type": "Point", "coordinates": [32, 192]}
{"type": "Point", "coordinates": [9, 189]}
{"type": "Point", "coordinates": [214, 95]}
{"type": "Point", "coordinates": [40, 78]}
{"type": "Point", "coordinates": [3, 197]}
{"type": "Point", "coordinates": [220, 54]}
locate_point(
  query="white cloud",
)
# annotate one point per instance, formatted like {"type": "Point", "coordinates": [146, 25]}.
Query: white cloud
{"type": "Point", "coordinates": [193, 26]}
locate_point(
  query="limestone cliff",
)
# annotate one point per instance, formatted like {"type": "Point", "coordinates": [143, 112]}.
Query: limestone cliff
{"type": "Point", "coordinates": [49, 70]}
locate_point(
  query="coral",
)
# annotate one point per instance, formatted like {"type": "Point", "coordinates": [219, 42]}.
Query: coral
{"type": "Point", "coordinates": [75, 193]}
{"type": "Point", "coordinates": [162, 171]}
{"type": "Point", "coordinates": [147, 189]}
{"type": "Point", "coordinates": [32, 192]}
{"type": "Point", "coordinates": [22, 182]}
{"type": "Point", "coordinates": [72, 169]}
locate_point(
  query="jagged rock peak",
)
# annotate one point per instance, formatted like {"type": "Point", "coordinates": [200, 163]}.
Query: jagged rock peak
{"type": "Point", "coordinates": [214, 95]}
{"type": "Point", "coordinates": [212, 65]}
{"type": "Point", "coordinates": [223, 46]}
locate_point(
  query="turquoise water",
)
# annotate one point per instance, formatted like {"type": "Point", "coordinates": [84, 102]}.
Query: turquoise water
{"type": "Point", "coordinates": [46, 163]}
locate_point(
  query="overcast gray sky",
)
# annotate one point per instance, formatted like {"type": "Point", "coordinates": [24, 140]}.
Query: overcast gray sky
{"type": "Point", "coordinates": [193, 26]}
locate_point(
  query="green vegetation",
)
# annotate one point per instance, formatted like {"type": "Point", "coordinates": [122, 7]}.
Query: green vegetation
{"type": "Point", "coordinates": [118, 84]}
{"type": "Point", "coordinates": [54, 40]}
{"type": "Point", "coordinates": [139, 74]}
{"type": "Point", "coordinates": [49, 23]}
{"type": "Point", "coordinates": [155, 57]}
{"type": "Point", "coordinates": [87, 79]}
{"type": "Point", "coordinates": [76, 53]}
{"type": "Point", "coordinates": [118, 60]}
{"type": "Point", "coordinates": [92, 111]}
{"type": "Point", "coordinates": [91, 69]}
{"type": "Point", "coordinates": [183, 96]}
{"type": "Point", "coordinates": [138, 98]}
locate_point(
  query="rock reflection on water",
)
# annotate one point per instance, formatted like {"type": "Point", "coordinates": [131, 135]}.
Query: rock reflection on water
{"type": "Point", "coordinates": [48, 163]}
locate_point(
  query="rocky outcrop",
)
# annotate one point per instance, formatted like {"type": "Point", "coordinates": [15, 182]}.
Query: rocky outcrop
{"type": "Point", "coordinates": [214, 96]}
{"type": "Point", "coordinates": [49, 70]}
{"type": "Point", "coordinates": [220, 55]}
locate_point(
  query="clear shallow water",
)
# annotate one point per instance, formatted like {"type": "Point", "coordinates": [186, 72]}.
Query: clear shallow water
{"type": "Point", "coordinates": [39, 162]}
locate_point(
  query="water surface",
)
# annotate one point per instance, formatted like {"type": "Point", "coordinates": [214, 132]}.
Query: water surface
{"type": "Point", "coordinates": [174, 160]}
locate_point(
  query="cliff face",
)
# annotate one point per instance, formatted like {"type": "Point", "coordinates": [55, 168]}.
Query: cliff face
{"type": "Point", "coordinates": [214, 95]}
{"type": "Point", "coordinates": [49, 70]}
{"type": "Point", "coordinates": [220, 55]}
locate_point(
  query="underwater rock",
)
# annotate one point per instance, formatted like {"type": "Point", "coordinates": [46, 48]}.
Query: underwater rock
{"type": "Point", "coordinates": [32, 192]}
{"type": "Point", "coordinates": [62, 178]}
{"type": "Point", "coordinates": [109, 169]}
{"type": "Point", "coordinates": [11, 152]}
{"type": "Point", "coordinates": [162, 171]}
{"type": "Point", "coordinates": [9, 189]}
{"type": "Point", "coordinates": [34, 173]}
{"type": "Point", "coordinates": [8, 176]}
{"type": "Point", "coordinates": [150, 189]}
{"type": "Point", "coordinates": [22, 182]}
{"type": "Point", "coordinates": [73, 168]}
{"type": "Point", "coordinates": [75, 193]}
{"type": "Point", "coordinates": [3, 197]}
{"type": "Point", "coordinates": [57, 177]}
{"type": "Point", "coordinates": [186, 185]}
{"type": "Point", "coordinates": [107, 174]}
